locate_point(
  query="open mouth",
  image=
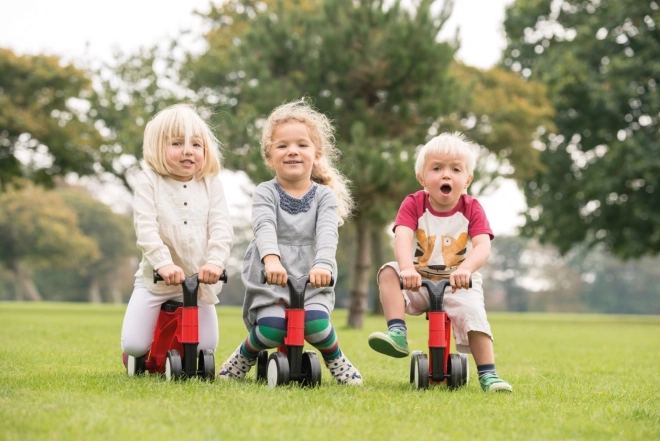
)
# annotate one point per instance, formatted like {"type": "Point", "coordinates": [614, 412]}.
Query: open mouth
{"type": "Point", "coordinates": [445, 189]}
{"type": "Point", "coordinates": [187, 162]}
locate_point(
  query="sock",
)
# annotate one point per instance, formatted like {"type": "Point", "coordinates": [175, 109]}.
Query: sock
{"type": "Point", "coordinates": [397, 324]}
{"type": "Point", "coordinates": [268, 333]}
{"type": "Point", "coordinates": [320, 333]}
{"type": "Point", "coordinates": [486, 369]}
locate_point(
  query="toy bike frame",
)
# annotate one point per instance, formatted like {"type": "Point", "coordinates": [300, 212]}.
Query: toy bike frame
{"type": "Point", "coordinates": [289, 362]}
{"type": "Point", "coordinates": [176, 338]}
{"type": "Point", "coordinates": [440, 366]}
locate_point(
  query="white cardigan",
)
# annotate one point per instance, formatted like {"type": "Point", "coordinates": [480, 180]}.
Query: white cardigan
{"type": "Point", "coordinates": [185, 223]}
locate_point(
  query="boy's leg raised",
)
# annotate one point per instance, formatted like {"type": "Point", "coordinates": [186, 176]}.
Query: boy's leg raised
{"type": "Point", "coordinates": [394, 341]}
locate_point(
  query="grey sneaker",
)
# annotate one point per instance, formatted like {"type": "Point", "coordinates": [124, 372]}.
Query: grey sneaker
{"type": "Point", "coordinates": [236, 366]}
{"type": "Point", "coordinates": [344, 371]}
{"type": "Point", "coordinates": [493, 383]}
{"type": "Point", "coordinates": [392, 343]}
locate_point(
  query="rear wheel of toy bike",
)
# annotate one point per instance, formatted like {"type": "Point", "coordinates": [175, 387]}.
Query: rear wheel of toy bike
{"type": "Point", "coordinates": [173, 367]}
{"type": "Point", "coordinates": [206, 365]}
{"type": "Point", "coordinates": [413, 360]}
{"type": "Point", "coordinates": [311, 369]}
{"type": "Point", "coordinates": [262, 366]}
{"type": "Point", "coordinates": [466, 368]}
{"type": "Point", "coordinates": [278, 369]}
{"type": "Point", "coordinates": [456, 375]}
{"type": "Point", "coordinates": [136, 365]}
{"type": "Point", "coordinates": [421, 374]}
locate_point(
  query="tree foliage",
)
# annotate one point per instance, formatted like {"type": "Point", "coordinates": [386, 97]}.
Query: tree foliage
{"type": "Point", "coordinates": [600, 61]}
{"type": "Point", "coordinates": [38, 230]}
{"type": "Point", "coordinates": [379, 72]}
{"type": "Point", "coordinates": [44, 128]}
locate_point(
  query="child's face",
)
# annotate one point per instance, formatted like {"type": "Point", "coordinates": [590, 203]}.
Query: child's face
{"type": "Point", "coordinates": [184, 160]}
{"type": "Point", "coordinates": [292, 153]}
{"type": "Point", "coordinates": [445, 178]}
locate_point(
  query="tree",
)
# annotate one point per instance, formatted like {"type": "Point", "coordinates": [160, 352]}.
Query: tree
{"type": "Point", "coordinates": [44, 129]}
{"type": "Point", "coordinates": [600, 61]}
{"type": "Point", "coordinates": [115, 237]}
{"type": "Point", "coordinates": [38, 230]}
{"type": "Point", "coordinates": [378, 71]}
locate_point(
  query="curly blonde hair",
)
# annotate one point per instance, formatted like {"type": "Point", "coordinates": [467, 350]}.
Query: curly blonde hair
{"type": "Point", "coordinates": [179, 121]}
{"type": "Point", "coordinates": [322, 134]}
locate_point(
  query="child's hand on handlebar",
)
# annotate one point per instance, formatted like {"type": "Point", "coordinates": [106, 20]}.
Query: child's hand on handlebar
{"type": "Point", "coordinates": [209, 273]}
{"type": "Point", "coordinates": [171, 274]}
{"type": "Point", "coordinates": [411, 279]}
{"type": "Point", "coordinates": [319, 277]}
{"type": "Point", "coordinates": [275, 272]}
{"type": "Point", "coordinates": [459, 279]}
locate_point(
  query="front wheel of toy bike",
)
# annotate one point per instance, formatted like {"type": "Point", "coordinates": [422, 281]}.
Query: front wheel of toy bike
{"type": "Point", "coordinates": [311, 369]}
{"type": "Point", "coordinates": [173, 367]}
{"type": "Point", "coordinates": [262, 366]}
{"type": "Point", "coordinates": [278, 369]}
{"type": "Point", "coordinates": [421, 374]}
{"type": "Point", "coordinates": [456, 373]}
{"type": "Point", "coordinates": [413, 361]}
{"type": "Point", "coordinates": [136, 365]}
{"type": "Point", "coordinates": [206, 365]}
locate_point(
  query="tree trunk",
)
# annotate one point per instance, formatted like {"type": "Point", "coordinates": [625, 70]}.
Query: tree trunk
{"type": "Point", "coordinates": [360, 288]}
{"type": "Point", "coordinates": [25, 287]}
{"type": "Point", "coordinates": [113, 289]}
{"type": "Point", "coordinates": [94, 292]}
{"type": "Point", "coordinates": [379, 259]}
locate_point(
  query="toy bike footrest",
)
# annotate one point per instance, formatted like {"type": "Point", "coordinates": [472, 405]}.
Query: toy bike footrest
{"type": "Point", "coordinates": [171, 306]}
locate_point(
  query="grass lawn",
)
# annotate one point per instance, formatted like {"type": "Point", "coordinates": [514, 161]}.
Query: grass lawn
{"type": "Point", "coordinates": [575, 377]}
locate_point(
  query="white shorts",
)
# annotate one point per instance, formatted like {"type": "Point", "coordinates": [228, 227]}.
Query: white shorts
{"type": "Point", "coordinates": [142, 313]}
{"type": "Point", "coordinates": [465, 308]}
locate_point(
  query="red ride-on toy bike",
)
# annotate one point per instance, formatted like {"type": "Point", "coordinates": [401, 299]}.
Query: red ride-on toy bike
{"type": "Point", "coordinates": [174, 349]}
{"type": "Point", "coordinates": [442, 367]}
{"type": "Point", "coordinates": [289, 362]}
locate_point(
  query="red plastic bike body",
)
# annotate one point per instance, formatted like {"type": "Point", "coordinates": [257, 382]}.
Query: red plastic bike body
{"type": "Point", "coordinates": [172, 330]}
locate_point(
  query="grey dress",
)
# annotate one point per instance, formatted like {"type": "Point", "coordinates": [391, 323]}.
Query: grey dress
{"type": "Point", "coordinates": [302, 232]}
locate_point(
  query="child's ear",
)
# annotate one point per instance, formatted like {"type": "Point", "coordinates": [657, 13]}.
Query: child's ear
{"type": "Point", "coordinates": [422, 182]}
{"type": "Point", "coordinates": [469, 181]}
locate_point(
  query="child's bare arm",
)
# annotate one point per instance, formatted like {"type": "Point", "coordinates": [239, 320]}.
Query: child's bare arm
{"type": "Point", "coordinates": [403, 237]}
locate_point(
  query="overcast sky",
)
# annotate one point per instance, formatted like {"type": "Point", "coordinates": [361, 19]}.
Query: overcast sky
{"type": "Point", "coordinates": [85, 30]}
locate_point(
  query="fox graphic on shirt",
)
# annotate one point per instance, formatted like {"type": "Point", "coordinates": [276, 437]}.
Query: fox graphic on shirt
{"type": "Point", "coordinates": [442, 239]}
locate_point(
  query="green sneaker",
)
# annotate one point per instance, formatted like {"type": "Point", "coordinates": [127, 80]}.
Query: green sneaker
{"type": "Point", "coordinates": [493, 383]}
{"type": "Point", "coordinates": [392, 343]}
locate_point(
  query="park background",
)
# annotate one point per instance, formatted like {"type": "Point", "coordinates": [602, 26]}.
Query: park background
{"type": "Point", "coordinates": [561, 95]}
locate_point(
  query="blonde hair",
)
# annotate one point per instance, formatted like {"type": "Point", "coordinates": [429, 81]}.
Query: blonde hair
{"type": "Point", "coordinates": [179, 121]}
{"type": "Point", "coordinates": [453, 144]}
{"type": "Point", "coordinates": [322, 134]}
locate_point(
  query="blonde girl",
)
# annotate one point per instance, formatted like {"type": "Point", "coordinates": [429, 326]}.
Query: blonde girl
{"type": "Point", "coordinates": [181, 222]}
{"type": "Point", "coordinates": [295, 219]}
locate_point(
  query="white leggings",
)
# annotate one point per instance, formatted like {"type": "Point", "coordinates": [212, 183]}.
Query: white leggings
{"type": "Point", "coordinates": [137, 332]}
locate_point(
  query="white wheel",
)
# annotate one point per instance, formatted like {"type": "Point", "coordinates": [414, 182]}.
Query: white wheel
{"type": "Point", "coordinates": [173, 369]}
{"type": "Point", "coordinates": [278, 369]}
{"type": "Point", "coordinates": [130, 366]}
{"type": "Point", "coordinates": [272, 374]}
{"type": "Point", "coordinates": [466, 368]}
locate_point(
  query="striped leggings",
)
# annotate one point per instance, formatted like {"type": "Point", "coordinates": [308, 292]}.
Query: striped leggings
{"type": "Point", "coordinates": [270, 330]}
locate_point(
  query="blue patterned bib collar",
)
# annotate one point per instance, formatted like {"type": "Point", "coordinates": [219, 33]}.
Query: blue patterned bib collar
{"type": "Point", "coordinates": [293, 205]}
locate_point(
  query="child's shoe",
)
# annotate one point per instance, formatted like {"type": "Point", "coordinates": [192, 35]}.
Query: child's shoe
{"type": "Point", "coordinates": [392, 343]}
{"type": "Point", "coordinates": [493, 383]}
{"type": "Point", "coordinates": [343, 371]}
{"type": "Point", "coordinates": [236, 366]}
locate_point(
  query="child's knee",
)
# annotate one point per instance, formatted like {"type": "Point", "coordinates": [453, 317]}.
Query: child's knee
{"type": "Point", "coordinates": [388, 276]}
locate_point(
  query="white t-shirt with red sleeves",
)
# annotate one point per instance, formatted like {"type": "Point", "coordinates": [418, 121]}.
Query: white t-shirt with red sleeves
{"type": "Point", "coordinates": [442, 239]}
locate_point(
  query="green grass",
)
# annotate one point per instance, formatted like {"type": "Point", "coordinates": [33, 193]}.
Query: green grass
{"type": "Point", "coordinates": [575, 377]}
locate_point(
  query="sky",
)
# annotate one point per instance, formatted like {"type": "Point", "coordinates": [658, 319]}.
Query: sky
{"type": "Point", "coordinates": [81, 31]}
